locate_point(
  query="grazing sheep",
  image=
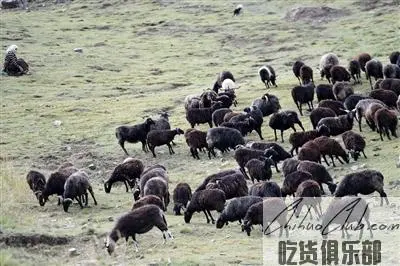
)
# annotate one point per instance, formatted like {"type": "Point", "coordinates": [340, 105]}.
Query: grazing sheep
{"type": "Point", "coordinates": [391, 71]}
{"type": "Point", "coordinates": [265, 189]}
{"type": "Point", "coordinates": [221, 77]}
{"type": "Point", "coordinates": [388, 84]}
{"type": "Point", "coordinates": [386, 120]}
{"type": "Point", "coordinates": [370, 114]}
{"type": "Point", "coordinates": [386, 96]}
{"type": "Point", "coordinates": [318, 113]}
{"type": "Point", "coordinates": [265, 213]}
{"type": "Point", "coordinates": [268, 104]}
{"type": "Point", "coordinates": [37, 183]}
{"type": "Point", "coordinates": [244, 155]}
{"type": "Point", "coordinates": [233, 185]}
{"type": "Point", "coordinates": [351, 101]}
{"type": "Point", "coordinates": [394, 57]}
{"type": "Point", "coordinates": [157, 186]}
{"type": "Point", "coordinates": [259, 169]}
{"type": "Point", "coordinates": [292, 181]}
{"type": "Point", "coordinates": [223, 139]}
{"type": "Point", "coordinates": [205, 200]}
{"type": "Point", "coordinates": [324, 92]}
{"type": "Point", "coordinates": [283, 121]}
{"type": "Point", "coordinates": [197, 140]}
{"type": "Point", "coordinates": [267, 75]}
{"type": "Point", "coordinates": [238, 10]}
{"type": "Point", "coordinates": [271, 149]}
{"type": "Point", "coordinates": [218, 115]}
{"type": "Point", "coordinates": [297, 139]}
{"type": "Point", "coordinates": [76, 186]}
{"type": "Point", "coordinates": [339, 73]}
{"type": "Point", "coordinates": [355, 71]}
{"type": "Point", "coordinates": [326, 62]}
{"type": "Point", "coordinates": [308, 193]}
{"type": "Point", "coordinates": [214, 177]}
{"type": "Point", "coordinates": [296, 69]}
{"type": "Point", "coordinates": [255, 113]}
{"type": "Point", "coordinates": [336, 106]}
{"type": "Point", "coordinates": [342, 90]}
{"type": "Point", "coordinates": [181, 196]}
{"type": "Point", "coordinates": [306, 75]}
{"type": "Point", "coordinates": [319, 174]}
{"type": "Point", "coordinates": [363, 58]}
{"type": "Point", "coordinates": [162, 123]}
{"type": "Point", "coordinates": [303, 94]}
{"type": "Point", "coordinates": [229, 116]}
{"type": "Point", "coordinates": [364, 182]}
{"type": "Point", "coordinates": [128, 172]}
{"type": "Point", "coordinates": [338, 125]}
{"type": "Point", "coordinates": [153, 167]}
{"type": "Point", "coordinates": [196, 116]}
{"type": "Point", "coordinates": [309, 152]}
{"type": "Point", "coordinates": [331, 147]}
{"type": "Point", "coordinates": [157, 138]}
{"type": "Point", "coordinates": [133, 134]}
{"type": "Point", "coordinates": [361, 108]}
{"type": "Point", "coordinates": [354, 143]}
{"type": "Point", "coordinates": [236, 209]}
{"type": "Point", "coordinates": [289, 165]}
{"type": "Point", "coordinates": [344, 211]}
{"type": "Point", "coordinates": [373, 68]}
{"type": "Point", "coordinates": [245, 127]}
{"type": "Point", "coordinates": [147, 200]}
{"type": "Point", "coordinates": [138, 221]}
{"type": "Point", "coordinates": [155, 172]}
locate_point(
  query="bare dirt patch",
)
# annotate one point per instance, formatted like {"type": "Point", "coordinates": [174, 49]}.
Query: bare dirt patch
{"type": "Point", "coordinates": [20, 240]}
{"type": "Point", "coordinates": [316, 14]}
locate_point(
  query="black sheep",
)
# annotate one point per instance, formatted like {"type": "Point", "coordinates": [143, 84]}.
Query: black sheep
{"type": "Point", "coordinates": [221, 77]}
{"type": "Point", "coordinates": [319, 174]}
{"type": "Point", "coordinates": [391, 71]}
{"type": "Point", "coordinates": [197, 140]}
{"type": "Point", "coordinates": [324, 92]}
{"type": "Point", "coordinates": [370, 114]}
{"type": "Point", "coordinates": [354, 143]}
{"type": "Point", "coordinates": [339, 73]}
{"type": "Point", "coordinates": [390, 84]}
{"type": "Point", "coordinates": [37, 183]}
{"type": "Point", "coordinates": [318, 113]}
{"type": "Point", "coordinates": [233, 185]}
{"type": "Point", "coordinates": [362, 59]}
{"type": "Point", "coordinates": [76, 187]}
{"type": "Point", "coordinates": [362, 107]}
{"type": "Point", "coordinates": [182, 195]}
{"type": "Point", "coordinates": [138, 221]}
{"type": "Point", "coordinates": [271, 149]}
{"type": "Point", "coordinates": [331, 147]}
{"type": "Point", "coordinates": [292, 181]}
{"type": "Point", "coordinates": [133, 134]}
{"type": "Point", "coordinates": [243, 155]}
{"type": "Point", "coordinates": [147, 200]}
{"type": "Point", "coordinates": [326, 62]}
{"type": "Point", "coordinates": [308, 193]}
{"type": "Point", "coordinates": [157, 186]}
{"type": "Point", "coordinates": [238, 10]}
{"type": "Point", "coordinates": [259, 169]}
{"type": "Point", "coordinates": [355, 70]}
{"type": "Point", "coordinates": [385, 121]}
{"type": "Point", "coordinates": [265, 189]}
{"type": "Point", "coordinates": [351, 101]}
{"type": "Point", "coordinates": [336, 106]}
{"type": "Point", "coordinates": [386, 96]}
{"type": "Point", "coordinates": [373, 69]}
{"type": "Point", "coordinates": [342, 90]}
{"type": "Point", "coordinates": [214, 177]}
{"type": "Point", "coordinates": [297, 139]}
{"type": "Point", "coordinates": [338, 125]}
{"type": "Point", "coordinates": [223, 139]}
{"type": "Point", "coordinates": [245, 127]}
{"type": "Point", "coordinates": [364, 182]}
{"type": "Point", "coordinates": [303, 94]}
{"type": "Point", "coordinates": [268, 104]}
{"type": "Point", "coordinates": [267, 75]}
{"type": "Point", "coordinates": [309, 152]}
{"type": "Point", "coordinates": [157, 138]}
{"type": "Point", "coordinates": [306, 75]}
{"type": "Point", "coordinates": [128, 172]}
{"type": "Point", "coordinates": [197, 116]}
{"type": "Point", "coordinates": [218, 115]}
{"type": "Point", "coordinates": [155, 172]}
{"type": "Point", "coordinates": [296, 69]}
{"type": "Point", "coordinates": [205, 200]}
{"type": "Point", "coordinates": [289, 165]}
{"type": "Point", "coordinates": [283, 121]}
{"type": "Point", "coordinates": [257, 115]}
{"type": "Point", "coordinates": [394, 57]}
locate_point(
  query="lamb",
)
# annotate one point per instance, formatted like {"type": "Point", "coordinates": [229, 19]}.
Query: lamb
{"type": "Point", "coordinates": [361, 108]}
{"type": "Point", "coordinates": [157, 186]}
{"type": "Point", "coordinates": [309, 152]}
{"type": "Point", "coordinates": [342, 90]}
{"type": "Point", "coordinates": [245, 127]}
{"type": "Point", "coordinates": [351, 101]}
{"type": "Point", "coordinates": [147, 200]}
{"type": "Point", "coordinates": [303, 94]}
{"type": "Point", "coordinates": [324, 92]}
{"type": "Point", "coordinates": [265, 189]}
{"type": "Point", "coordinates": [128, 172]}
{"type": "Point", "coordinates": [318, 113]}
{"type": "Point", "coordinates": [133, 134]}
{"type": "Point", "coordinates": [373, 68]}
{"type": "Point", "coordinates": [255, 113]}
{"type": "Point", "coordinates": [267, 75]}
{"type": "Point", "coordinates": [389, 84]}
{"type": "Point", "coordinates": [370, 114]}
{"type": "Point", "coordinates": [363, 58]}
{"type": "Point", "coordinates": [306, 75]}
{"type": "Point", "coordinates": [221, 77]}
{"type": "Point", "coordinates": [259, 169]}
{"type": "Point", "coordinates": [308, 193]}
{"type": "Point", "coordinates": [138, 221]}
{"type": "Point", "coordinates": [197, 116]}
{"type": "Point", "coordinates": [344, 211]}
{"type": "Point", "coordinates": [268, 104]}
{"type": "Point", "coordinates": [182, 195]}
{"type": "Point", "coordinates": [386, 120]}
{"type": "Point", "coordinates": [218, 115]}
{"type": "Point", "coordinates": [162, 137]}
{"type": "Point", "coordinates": [338, 125]}
{"type": "Point", "coordinates": [326, 63]}
{"type": "Point", "coordinates": [75, 187]}
{"type": "Point", "coordinates": [386, 96]}
{"type": "Point", "coordinates": [197, 140]}
{"type": "Point", "coordinates": [354, 143]}
{"type": "Point", "coordinates": [238, 10]}
{"type": "Point", "coordinates": [391, 71]}
{"type": "Point", "coordinates": [331, 147]}
{"type": "Point", "coordinates": [233, 185]}
{"type": "Point", "coordinates": [265, 213]}
{"type": "Point", "coordinates": [223, 138]}
{"type": "Point", "coordinates": [37, 183]}
{"type": "Point", "coordinates": [394, 57]}
{"type": "Point", "coordinates": [292, 181]}
{"type": "Point", "coordinates": [205, 200]}
{"type": "Point", "coordinates": [355, 71]}
{"type": "Point", "coordinates": [271, 149]}
{"type": "Point", "coordinates": [339, 73]}
{"type": "Point", "coordinates": [236, 209]}
{"type": "Point", "coordinates": [364, 182]}
{"type": "Point", "coordinates": [319, 174]}
{"type": "Point", "coordinates": [283, 121]}
{"type": "Point", "coordinates": [297, 139]}
{"type": "Point", "coordinates": [296, 69]}
{"type": "Point", "coordinates": [336, 106]}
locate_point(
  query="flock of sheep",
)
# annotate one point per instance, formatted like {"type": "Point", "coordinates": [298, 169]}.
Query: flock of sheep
{"type": "Point", "coordinates": [227, 192]}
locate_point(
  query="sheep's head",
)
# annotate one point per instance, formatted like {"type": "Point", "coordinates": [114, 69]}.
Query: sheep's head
{"type": "Point", "coordinates": [179, 131]}
{"type": "Point", "coordinates": [246, 227]}
{"type": "Point", "coordinates": [177, 208]}
{"type": "Point", "coordinates": [107, 187]}
{"type": "Point", "coordinates": [220, 223]}
{"type": "Point", "coordinates": [149, 121]}
{"type": "Point", "coordinates": [332, 187]}
{"type": "Point", "coordinates": [323, 131]}
{"type": "Point", "coordinates": [188, 216]}
{"type": "Point", "coordinates": [136, 194]}
{"type": "Point", "coordinates": [109, 244]}
{"type": "Point", "coordinates": [164, 115]}
{"type": "Point", "coordinates": [39, 196]}
{"type": "Point", "coordinates": [354, 154]}
{"type": "Point", "coordinates": [66, 203]}
{"type": "Point", "coordinates": [271, 153]}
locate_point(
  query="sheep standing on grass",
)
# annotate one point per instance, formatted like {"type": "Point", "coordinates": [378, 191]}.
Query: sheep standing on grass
{"type": "Point", "coordinates": [303, 94]}
{"type": "Point", "coordinates": [156, 172]}
{"type": "Point", "coordinates": [138, 221]}
{"type": "Point", "coordinates": [182, 195]}
{"type": "Point", "coordinates": [255, 113]}
{"type": "Point", "coordinates": [220, 78]}
{"type": "Point", "coordinates": [355, 71]}
{"type": "Point", "coordinates": [297, 139]}
{"type": "Point", "coordinates": [157, 138]}
{"type": "Point", "coordinates": [296, 69]}
{"type": "Point", "coordinates": [319, 174]}
{"type": "Point", "coordinates": [362, 59]}
{"type": "Point", "coordinates": [214, 177]}
{"type": "Point", "coordinates": [37, 183]}
{"type": "Point", "coordinates": [218, 115]}
{"type": "Point", "coordinates": [133, 134]}
{"type": "Point", "coordinates": [268, 104]}
{"type": "Point", "coordinates": [147, 200]}
{"type": "Point", "coordinates": [196, 116]}
{"type": "Point", "coordinates": [391, 71]}
{"type": "Point", "coordinates": [76, 186]}
{"type": "Point", "coordinates": [339, 73]}
{"type": "Point", "coordinates": [394, 57]}
{"type": "Point", "coordinates": [351, 101]}
{"type": "Point", "coordinates": [354, 143]}
{"type": "Point", "coordinates": [205, 200]}
{"type": "Point", "coordinates": [271, 150]}
{"type": "Point", "coordinates": [362, 107]}
{"type": "Point", "coordinates": [292, 181]}
{"type": "Point", "coordinates": [259, 169]}
{"type": "Point", "coordinates": [388, 84]}
{"type": "Point", "coordinates": [157, 186]}
{"type": "Point", "coordinates": [331, 147]}
{"type": "Point", "coordinates": [386, 96]}
{"type": "Point", "coordinates": [342, 90]}
{"type": "Point", "coordinates": [233, 185]}
{"type": "Point", "coordinates": [223, 139]}
{"type": "Point", "coordinates": [308, 194]}
{"type": "Point", "coordinates": [306, 75]}
{"type": "Point", "coordinates": [370, 114]}
{"type": "Point", "coordinates": [373, 69]}
{"type": "Point", "coordinates": [265, 189]}
{"type": "Point", "coordinates": [326, 62]}
{"type": "Point", "coordinates": [385, 121]}
{"type": "Point", "coordinates": [128, 172]}
{"type": "Point", "coordinates": [336, 106]}
{"type": "Point", "coordinates": [283, 121]}
{"type": "Point", "coordinates": [267, 76]}
{"type": "Point", "coordinates": [338, 125]}
{"type": "Point", "coordinates": [318, 113]}
{"type": "Point", "coordinates": [197, 140]}
{"type": "Point", "coordinates": [324, 92]}
{"type": "Point", "coordinates": [238, 10]}
{"type": "Point", "coordinates": [309, 152]}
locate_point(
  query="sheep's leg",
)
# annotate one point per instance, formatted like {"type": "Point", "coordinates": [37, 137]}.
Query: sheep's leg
{"type": "Point", "coordinates": [258, 130]}
{"type": "Point", "coordinates": [383, 195]}
{"type": "Point", "coordinates": [282, 136]}
{"type": "Point", "coordinates": [197, 154]}
{"type": "Point", "coordinates": [326, 161]}
{"type": "Point", "coordinates": [212, 218]}
{"type": "Point", "coordinates": [122, 144]}
{"type": "Point", "coordinates": [291, 151]}
{"type": "Point", "coordinates": [92, 194]}
{"type": "Point", "coordinates": [333, 162]}
{"type": "Point", "coordinates": [152, 151]}
{"type": "Point", "coordinates": [210, 124]}
{"type": "Point", "coordinates": [192, 152]}
{"type": "Point", "coordinates": [86, 199]}
{"type": "Point", "coordinates": [312, 106]}
{"type": "Point", "coordinates": [144, 148]}
{"type": "Point", "coordinates": [394, 134]}
{"type": "Point", "coordinates": [173, 143]}
{"type": "Point", "coordinates": [387, 133]}
{"type": "Point", "coordinates": [171, 151]}
{"type": "Point", "coordinates": [205, 213]}
{"type": "Point", "coordinates": [79, 201]}
{"type": "Point", "coordinates": [337, 157]}
{"type": "Point", "coordinates": [126, 185]}
{"type": "Point", "coordinates": [276, 138]}
{"type": "Point", "coordinates": [276, 166]}
{"type": "Point", "coordinates": [322, 189]}
{"type": "Point", "coordinates": [359, 123]}
{"type": "Point", "coordinates": [364, 154]}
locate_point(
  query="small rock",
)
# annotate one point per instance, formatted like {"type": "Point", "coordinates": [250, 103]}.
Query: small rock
{"type": "Point", "coordinates": [57, 123]}
{"type": "Point", "coordinates": [376, 149]}
{"type": "Point", "coordinates": [363, 165]}
{"type": "Point", "coordinates": [78, 50]}
{"type": "Point", "coordinates": [111, 219]}
{"type": "Point", "coordinates": [72, 252]}
{"type": "Point", "coordinates": [92, 166]}
{"type": "Point", "coordinates": [376, 154]}
{"type": "Point", "coordinates": [354, 168]}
